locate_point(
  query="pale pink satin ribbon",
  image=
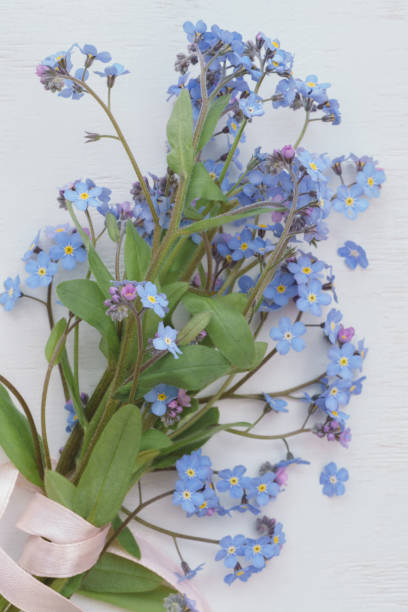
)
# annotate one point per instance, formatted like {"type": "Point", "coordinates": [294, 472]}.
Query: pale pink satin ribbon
{"type": "Point", "coordinates": [74, 546]}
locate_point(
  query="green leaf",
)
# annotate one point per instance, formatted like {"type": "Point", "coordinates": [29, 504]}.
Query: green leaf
{"type": "Point", "coordinates": [202, 186]}
{"type": "Point", "coordinates": [101, 273]}
{"type": "Point", "coordinates": [228, 329]}
{"type": "Point", "coordinates": [180, 136]}
{"type": "Point", "coordinates": [106, 478]}
{"type": "Point", "coordinates": [195, 325]}
{"type": "Point", "coordinates": [84, 298]}
{"type": "Point", "coordinates": [60, 489]}
{"type": "Point", "coordinates": [153, 439]}
{"type": "Point", "coordinates": [237, 301]}
{"type": "Point", "coordinates": [181, 261]}
{"type": "Point", "coordinates": [114, 574]}
{"type": "Point", "coordinates": [240, 213]}
{"type": "Point", "coordinates": [112, 227]}
{"type": "Point", "coordinates": [54, 337]}
{"type": "Point", "coordinates": [212, 119]}
{"type": "Point", "coordinates": [196, 368]}
{"type": "Point", "coordinates": [186, 444]}
{"type": "Point", "coordinates": [174, 292]}
{"type": "Point", "coordinates": [16, 439]}
{"type": "Point", "coordinates": [137, 254]}
{"type": "Point", "coordinates": [136, 602]}
{"type": "Point", "coordinates": [126, 539]}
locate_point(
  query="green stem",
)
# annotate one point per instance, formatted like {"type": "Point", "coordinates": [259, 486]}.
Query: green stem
{"type": "Point", "coordinates": [303, 132]}
{"type": "Point", "coordinates": [232, 151]}
{"type": "Point", "coordinates": [47, 378]}
{"type": "Point", "coordinates": [140, 349]}
{"type": "Point", "coordinates": [204, 409]}
{"type": "Point", "coordinates": [172, 256]}
{"type": "Point", "coordinates": [91, 227]}
{"type": "Point", "coordinates": [267, 274]}
{"type": "Point", "coordinates": [31, 422]}
{"type": "Point", "coordinates": [172, 534]}
{"type": "Point", "coordinates": [51, 324]}
{"type": "Point", "coordinates": [124, 143]}
{"type": "Point", "coordinates": [207, 247]}
{"type": "Point", "coordinates": [36, 299]}
{"type": "Point", "coordinates": [72, 445]}
{"type": "Point", "coordinates": [76, 356]}
{"type": "Point", "coordinates": [261, 437]}
{"type": "Point", "coordinates": [109, 406]}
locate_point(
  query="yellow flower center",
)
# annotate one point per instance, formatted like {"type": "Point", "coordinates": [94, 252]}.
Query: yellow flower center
{"type": "Point", "coordinates": [84, 196]}
{"type": "Point", "coordinates": [190, 472]}
{"type": "Point", "coordinates": [370, 181]}
{"type": "Point", "coordinates": [228, 258]}
{"type": "Point", "coordinates": [332, 325]}
{"type": "Point", "coordinates": [333, 479]}
{"type": "Point", "coordinates": [59, 230]}
{"type": "Point", "coordinates": [281, 288]}
{"type": "Point", "coordinates": [151, 299]}
{"type": "Point", "coordinates": [244, 246]}
{"type": "Point", "coordinates": [313, 166]}
{"type": "Point", "coordinates": [167, 340]}
{"type": "Point", "coordinates": [312, 298]}
{"type": "Point", "coordinates": [203, 505]}
{"type": "Point", "coordinates": [262, 225]}
{"type": "Point", "coordinates": [239, 572]}
{"type": "Point", "coordinates": [306, 270]}
{"type": "Point", "coordinates": [161, 397]}
{"type": "Point", "coordinates": [262, 488]}
{"type": "Point", "coordinates": [234, 126]}
{"type": "Point", "coordinates": [275, 44]}
{"type": "Point", "coordinates": [68, 250]}
{"type": "Point", "coordinates": [321, 202]}
{"type": "Point", "coordinates": [256, 548]}
{"type": "Point", "coordinates": [42, 271]}
{"type": "Point", "coordinates": [343, 361]}
{"type": "Point", "coordinates": [213, 175]}
{"type": "Point", "coordinates": [349, 201]}
{"type": "Point", "coordinates": [11, 291]}
{"type": "Point", "coordinates": [352, 388]}
{"type": "Point", "coordinates": [276, 539]}
{"type": "Point", "coordinates": [311, 84]}
{"type": "Point", "coordinates": [334, 391]}
{"type": "Point", "coordinates": [231, 550]}
{"type": "Point", "coordinates": [288, 335]}
{"type": "Point", "coordinates": [334, 413]}
{"type": "Point", "coordinates": [233, 480]}
{"type": "Point", "coordinates": [186, 494]}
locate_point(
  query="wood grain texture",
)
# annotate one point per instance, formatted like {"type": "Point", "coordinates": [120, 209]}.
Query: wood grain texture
{"type": "Point", "coordinates": [342, 554]}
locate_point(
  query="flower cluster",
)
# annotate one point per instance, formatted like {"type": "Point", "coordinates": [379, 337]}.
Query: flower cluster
{"type": "Point", "coordinates": [223, 238]}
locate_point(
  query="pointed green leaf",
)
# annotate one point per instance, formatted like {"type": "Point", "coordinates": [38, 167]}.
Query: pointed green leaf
{"type": "Point", "coordinates": [212, 119]}
{"type": "Point", "coordinates": [153, 439]}
{"type": "Point", "coordinates": [16, 439]}
{"type": "Point", "coordinates": [106, 478]}
{"type": "Point", "coordinates": [55, 336]}
{"type": "Point", "coordinates": [180, 136]}
{"type": "Point", "coordinates": [137, 254]}
{"type": "Point", "coordinates": [193, 327]}
{"type": "Point", "coordinates": [84, 298]}
{"type": "Point", "coordinates": [126, 539]}
{"type": "Point", "coordinates": [114, 574]}
{"type": "Point", "coordinates": [202, 186]}
{"type": "Point", "coordinates": [135, 602]}
{"type": "Point", "coordinates": [60, 489]}
{"type": "Point", "coordinates": [228, 329]}
{"type": "Point", "coordinates": [196, 368]}
{"type": "Point", "coordinates": [112, 227]}
{"type": "Point", "coordinates": [101, 273]}
{"type": "Point", "coordinates": [240, 213]}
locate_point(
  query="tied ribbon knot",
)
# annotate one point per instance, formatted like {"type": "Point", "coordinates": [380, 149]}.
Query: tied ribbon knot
{"type": "Point", "coordinates": [62, 544]}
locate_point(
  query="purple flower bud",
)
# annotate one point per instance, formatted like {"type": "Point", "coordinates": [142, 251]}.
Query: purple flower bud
{"type": "Point", "coordinates": [281, 476]}
{"type": "Point", "coordinates": [345, 334]}
{"type": "Point", "coordinates": [129, 292]}
{"type": "Point", "coordinates": [288, 152]}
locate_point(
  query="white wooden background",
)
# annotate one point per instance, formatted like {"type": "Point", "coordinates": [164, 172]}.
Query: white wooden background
{"type": "Point", "coordinates": [342, 554]}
